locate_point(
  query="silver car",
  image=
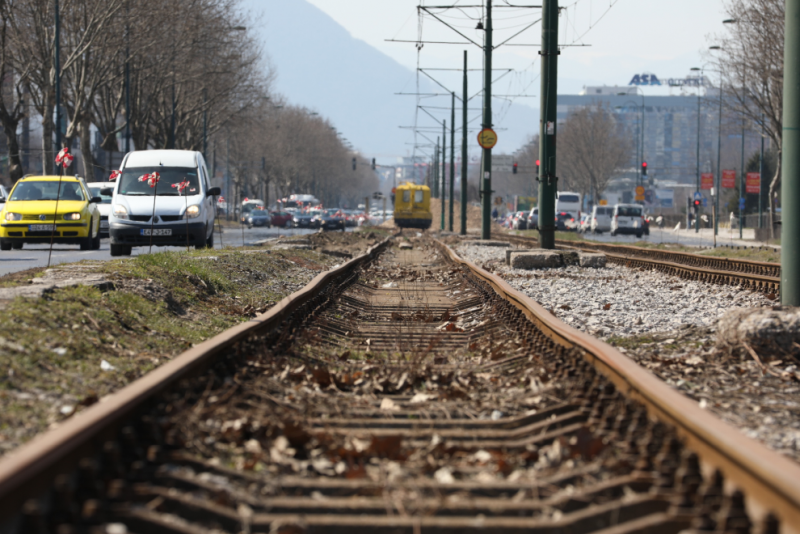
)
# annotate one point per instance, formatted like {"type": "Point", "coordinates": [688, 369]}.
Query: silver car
{"type": "Point", "coordinates": [104, 207]}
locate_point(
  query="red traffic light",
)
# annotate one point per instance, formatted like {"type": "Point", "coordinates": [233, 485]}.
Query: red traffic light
{"type": "Point", "coordinates": [644, 164]}
{"type": "Point", "coordinates": [697, 203]}
{"type": "Point", "coordinates": [514, 170]}
{"type": "Point", "coordinates": [537, 162]}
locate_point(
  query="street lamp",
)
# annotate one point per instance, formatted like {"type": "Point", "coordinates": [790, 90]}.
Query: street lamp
{"type": "Point", "coordinates": [742, 176]}
{"type": "Point", "coordinates": [640, 137]}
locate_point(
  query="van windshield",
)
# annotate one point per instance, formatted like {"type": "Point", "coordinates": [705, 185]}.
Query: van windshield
{"type": "Point", "coordinates": [569, 198]}
{"type": "Point", "coordinates": [629, 211]}
{"type": "Point", "coordinates": [169, 176]}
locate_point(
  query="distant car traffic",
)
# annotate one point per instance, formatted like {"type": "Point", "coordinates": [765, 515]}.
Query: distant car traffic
{"type": "Point", "coordinates": [281, 219]}
{"type": "Point", "coordinates": [306, 219]}
{"type": "Point", "coordinates": [628, 219]}
{"type": "Point", "coordinates": [520, 221]}
{"type": "Point", "coordinates": [258, 217]}
{"type": "Point", "coordinates": [585, 223]}
{"type": "Point", "coordinates": [332, 219]}
{"type": "Point", "coordinates": [533, 219]}
{"type": "Point", "coordinates": [96, 190]}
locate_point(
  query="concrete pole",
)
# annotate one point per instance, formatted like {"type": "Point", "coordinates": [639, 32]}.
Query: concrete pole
{"type": "Point", "coordinates": [742, 187]}
{"type": "Point", "coordinates": [464, 152]}
{"type": "Point", "coordinates": [547, 128]}
{"type": "Point", "coordinates": [452, 157]}
{"type": "Point", "coordinates": [719, 163]}
{"type": "Point", "coordinates": [486, 162]}
{"type": "Point", "coordinates": [790, 159]}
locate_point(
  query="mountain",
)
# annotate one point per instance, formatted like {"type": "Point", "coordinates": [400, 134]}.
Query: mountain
{"type": "Point", "coordinates": [319, 65]}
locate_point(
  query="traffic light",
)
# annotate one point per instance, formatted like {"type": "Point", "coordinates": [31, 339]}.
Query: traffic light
{"type": "Point", "coordinates": [373, 164]}
{"type": "Point", "coordinates": [514, 169]}
{"type": "Point", "coordinates": [537, 167]}
{"type": "Point", "coordinates": [697, 203]}
{"type": "Point", "coordinates": [644, 168]}
{"type": "Point", "coordinates": [354, 163]}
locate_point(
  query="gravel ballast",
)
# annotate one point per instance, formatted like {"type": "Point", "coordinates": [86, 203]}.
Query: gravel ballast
{"type": "Point", "coordinates": [615, 300]}
{"type": "Point", "coordinates": [669, 326]}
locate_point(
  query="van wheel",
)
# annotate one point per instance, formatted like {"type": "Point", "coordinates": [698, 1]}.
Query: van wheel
{"type": "Point", "coordinates": [17, 246]}
{"type": "Point", "coordinates": [210, 241]}
{"type": "Point", "coordinates": [120, 250]}
{"type": "Point", "coordinates": [96, 241]}
{"type": "Point", "coordinates": [639, 235]}
{"type": "Point", "coordinates": [5, 245]}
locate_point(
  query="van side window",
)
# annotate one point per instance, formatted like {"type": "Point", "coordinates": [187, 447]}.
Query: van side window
{"type": "Point", "coordinates": [406, 196]}
{"type": "Point", "coordinates": [418, 196]}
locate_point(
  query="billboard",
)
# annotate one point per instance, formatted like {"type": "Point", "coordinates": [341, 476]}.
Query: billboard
{"type": "Point", "coordinates": [728, 179]}
{"type": "Point", "coordinates": [753, 183]}
{"type": "Point", "coordinates": [706, 180]}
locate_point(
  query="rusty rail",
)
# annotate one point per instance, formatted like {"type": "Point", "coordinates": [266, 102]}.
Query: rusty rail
{"type": "Point", "coordinates": [29, 471]}
{"type": "Point", "coordinates": [771, 480]}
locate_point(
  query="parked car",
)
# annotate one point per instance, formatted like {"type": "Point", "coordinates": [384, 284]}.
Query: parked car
{"type": "Point", "coordinates": [172, 184]}
{"type": "Point", "coordinates": [258, 217]}
{"type": "Point", "coordinates": [562, 218]}
{"type": "Point", "coordinates": [583, 227]}
{"type": "Point", "coordinates": [29, 213]}
{"type": "Point", "coordinates": [332, 219]}
{"type": "Point", "coordinates": [281, 219]}
{"type": "Point", "coordinates": [628, 219]}
{"type": "Point", "coordinates": [520, 221]}
{"type": "Point", "coordinates": [305, 219]}
{"type": "Point", "coordinates": [533, 219]}
{"type": "Point", "coordinates": [601, 219]}
{"type": "Point", "coordinates": [96, 189]}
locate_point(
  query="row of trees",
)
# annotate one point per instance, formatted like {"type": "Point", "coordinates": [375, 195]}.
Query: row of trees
{"type": "Point", "coordinates": [164, 74]}
{"type": "Point", "coordinates": [287, 149]}
{"type": "Point", "coordinates": [592, 147]}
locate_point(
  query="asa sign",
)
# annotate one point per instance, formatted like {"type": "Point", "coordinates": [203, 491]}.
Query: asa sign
{"type": "Point", "coordinates": [652, 79]}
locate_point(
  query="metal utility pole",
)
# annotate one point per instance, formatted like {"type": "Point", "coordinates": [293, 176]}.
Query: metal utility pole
{"type": "Point", "coordinates": [761, 175]}
{"type": "Point", "coordinates": [790, 159]}
{"type": "Point", "coordinates": [742, 197]}
{"type": "Point", "coordinates": [57, 64]}
{"type": "Point", "coordinates": [486, 167]}
{"type": "Point", "coordinates": [436, 170]}
{"type": "Point", "coordinates": [205, 122]}
{"type": "Point", "coordinates": [697, 215]}
{"type": "Point", "coordinates": [464, 152]}
{"type": "Point", "coordinates": [452, 156]}
{"type": "Point", "coordinates": [719, 163]}
{"type": "Point", "coordinates": [547, 127]}
{"type": "Point", "coordinates": [444, 167]}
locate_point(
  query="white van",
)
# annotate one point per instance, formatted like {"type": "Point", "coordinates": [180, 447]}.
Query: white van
{"type": "Point", "coordinates": [628, 219]}
{"type": "Point", "coordinates": [181, 217]}
{"type": "Point", "coordinates": [600, 221]}
{"type": "Point", "coordinates": [569, 202]}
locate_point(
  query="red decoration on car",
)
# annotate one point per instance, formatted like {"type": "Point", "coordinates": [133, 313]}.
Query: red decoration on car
{"type": "Point", "coordinates": [114, 175]}
{"type": "Point", "coordinates": [180, 186]}
{"type": "Point", "coordinates": [151, 179]}
{"type": "Point", "coordinates": [64, 158]}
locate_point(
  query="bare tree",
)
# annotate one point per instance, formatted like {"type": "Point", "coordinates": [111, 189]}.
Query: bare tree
{"type": "Point", "coordinates": [592, 147]}
{"type": "Point", "coordinates": [750, 63]}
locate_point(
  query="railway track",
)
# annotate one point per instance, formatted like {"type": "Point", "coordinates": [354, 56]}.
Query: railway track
{"type": "Point", "coordinates": [405, 391]}
{"type": "Point", "coordinates": [754, 275]}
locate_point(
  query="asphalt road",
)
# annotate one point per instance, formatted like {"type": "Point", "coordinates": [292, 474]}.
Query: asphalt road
{"type": "Point", "coordinates": [705, 238]}
{"type": "Point", "coordinates": [36, 255]}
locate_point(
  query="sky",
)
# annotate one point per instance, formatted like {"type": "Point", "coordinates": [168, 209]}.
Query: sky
{"type": "Point", "coordinates": [625, 37]}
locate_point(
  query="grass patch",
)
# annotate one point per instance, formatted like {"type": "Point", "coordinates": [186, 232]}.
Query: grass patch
{"type": "Point", "coordinates": [51, 348]}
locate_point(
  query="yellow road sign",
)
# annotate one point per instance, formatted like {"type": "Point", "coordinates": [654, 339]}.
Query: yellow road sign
{"type": "Point", "coordinates": [639, 198]}
{"type": "Point", "coordinates": [487, 138]}
{"type": "Point", "coordinates": [604, 202]}
{"type": "Point", "coordinates": [639, 192]}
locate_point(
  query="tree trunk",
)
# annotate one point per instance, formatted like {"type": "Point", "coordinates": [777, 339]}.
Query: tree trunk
{"type": "Point", "coordinates": [773, 186]}
{"type": "Point", "coordinates": [89, 164]}
{"type": "Point", "coordinates": [15, 169]}
{"type": "Point", "coordinates": [47, 139]}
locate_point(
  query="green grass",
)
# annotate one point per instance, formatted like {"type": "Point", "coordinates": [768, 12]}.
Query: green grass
{"type": "Point", "coordinates": [51, 348]}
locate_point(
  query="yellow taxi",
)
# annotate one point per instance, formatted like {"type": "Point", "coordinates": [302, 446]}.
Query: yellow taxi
{"type": "Point", "coordinates": [36, 202]}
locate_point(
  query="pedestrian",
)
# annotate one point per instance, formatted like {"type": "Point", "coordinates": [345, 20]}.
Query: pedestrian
{"type": "Point", "coordinates": [494, 214]}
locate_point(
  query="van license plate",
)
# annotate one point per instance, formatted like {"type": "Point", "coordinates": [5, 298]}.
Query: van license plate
{"type": "Point", "coordinates": [157, 231]}
{"type": "Point", "coordinates": [104, 224]}
{"type": "Point", "coordinates": [40, 228]}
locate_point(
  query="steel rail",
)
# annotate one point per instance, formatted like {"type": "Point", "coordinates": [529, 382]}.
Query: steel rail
{"type": "Point", "coordinates": [756, 275]}
{"type": "Point", "coordinates": [770, 481]}
{"type": "Point", "coordinates": [29, 471]}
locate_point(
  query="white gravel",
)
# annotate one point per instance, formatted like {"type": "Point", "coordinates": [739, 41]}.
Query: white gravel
{"type": "Point", "coordinates": [617, 301]}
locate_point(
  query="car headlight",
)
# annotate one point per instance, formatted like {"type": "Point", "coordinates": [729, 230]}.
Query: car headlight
{"type": "Point", "coordinates": [192, 212]}
{"type": "Point", "coordinates": [13, 216]}
{"type": "Point", "coordinates": [72, 217]}
{"type": "Point", "coordinates": [120, 211]}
